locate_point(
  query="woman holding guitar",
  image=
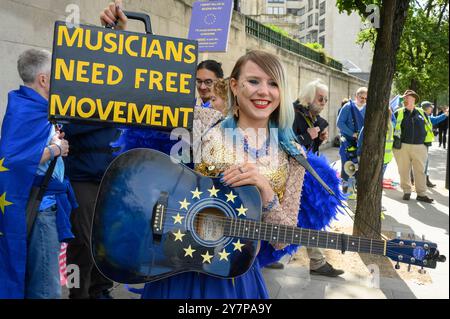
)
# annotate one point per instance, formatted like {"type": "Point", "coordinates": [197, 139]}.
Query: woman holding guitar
{"type": "Point", "coordinates": [260, 118]}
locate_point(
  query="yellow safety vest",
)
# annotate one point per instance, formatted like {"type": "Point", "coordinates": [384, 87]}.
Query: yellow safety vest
{"type": "Point", "coordinates": [428, 126]}
{"type": "Point", "coordinates": [389, 144]}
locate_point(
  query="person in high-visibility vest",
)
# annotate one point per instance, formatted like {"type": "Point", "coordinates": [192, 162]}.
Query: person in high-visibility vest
{"type": "Point", "coordinates": [388, 154]}
{"type": "Point", "coordinates": [413, 130]}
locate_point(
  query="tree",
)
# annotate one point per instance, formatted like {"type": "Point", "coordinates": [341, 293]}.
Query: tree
{"type": "Point", "coordinates": [422, 61]}
{"type": "Point", "coordinates": [423, 53]}
{"type": "Point", "coordinates": [392, 19]}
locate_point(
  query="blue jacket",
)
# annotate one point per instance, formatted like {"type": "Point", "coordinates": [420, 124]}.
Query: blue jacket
{"type": "Point", "coordinates": [435, 120]}
{"type": "Point", "coordinates": [65, 202]}
{"type": "Point", "coordinates": [90, 152]}
{"type": "Point", "coordinates": [346, 120]}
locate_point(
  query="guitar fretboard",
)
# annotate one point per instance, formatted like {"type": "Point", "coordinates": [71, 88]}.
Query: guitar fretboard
{"type": "Point", "coordinates": [250, 229]}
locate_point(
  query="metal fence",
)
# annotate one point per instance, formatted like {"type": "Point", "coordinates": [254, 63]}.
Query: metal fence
{"type": "Point", "coordinates": [265, 33]}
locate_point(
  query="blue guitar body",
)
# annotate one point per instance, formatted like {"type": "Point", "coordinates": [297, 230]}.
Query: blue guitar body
{"type": "Point", "coordinates": [151, 221]}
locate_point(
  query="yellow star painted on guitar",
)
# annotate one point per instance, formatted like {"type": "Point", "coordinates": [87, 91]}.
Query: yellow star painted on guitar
{"type": "Point", "coordinates": [207, 257]}
{"type": "Point", "coordinates": [224, 255]}
{"type": "Point", "coordinates": [230, 197]}
{"type": "Point", "coordinates": [4, 203]}
{"type": "Point", "coordinates": [178, 235]}
{"type": "Point", "coordinates": [213, 191]}
{"type": "Point", "coordinates": [238, 245]}
{"type": "Point", "coordinates": [3, 168]}
{"type": "Point", "coordinates": [189, 251]}
{"type": "Point", "coordinates": [241, 210]}
{"type": "Point", "coordinates": [196, 193]}
{"type": "Point", "coordinates": [177, 219]}
{"type": "Point", "coordinates": [184, 204]}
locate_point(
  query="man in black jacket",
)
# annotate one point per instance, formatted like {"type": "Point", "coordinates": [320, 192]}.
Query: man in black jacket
{"type": "Point", "coordinates": [90, 155]}
{"type": "Point", "coordinates": [413, 133]}
{"type": "Point", "coordinates": [311, 129]}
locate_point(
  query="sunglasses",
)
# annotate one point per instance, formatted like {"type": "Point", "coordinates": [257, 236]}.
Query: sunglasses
{"type": "Point", "coordinates": [322, 99]}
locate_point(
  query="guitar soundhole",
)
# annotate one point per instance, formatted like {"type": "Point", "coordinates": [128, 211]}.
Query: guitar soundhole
{"type": "Point", "coordinates": [209, 224]}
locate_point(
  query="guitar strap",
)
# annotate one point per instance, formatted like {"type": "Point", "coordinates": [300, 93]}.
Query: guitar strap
{"type": "Point", "coordinates": [303, 162]}
{"type": "Point", "coordinates": [293, 152]}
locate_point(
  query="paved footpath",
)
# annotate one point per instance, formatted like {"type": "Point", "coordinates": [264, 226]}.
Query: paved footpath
{"type": "Point", "coordinates": [294, 282]}
{"type": "Point", "coordinates": [408, 217]}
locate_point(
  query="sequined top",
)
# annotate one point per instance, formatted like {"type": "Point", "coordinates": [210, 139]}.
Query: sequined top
{"type": "Point", "coordinates": [219, 153]}
{"type": "Point", "coordinates": [215, 151]}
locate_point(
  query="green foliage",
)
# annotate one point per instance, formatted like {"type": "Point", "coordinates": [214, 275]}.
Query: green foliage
{"type": "Point", "coordinates": [319, 48]}
{"type": "Point", "coordinates": [325, 58]}
{"type": "Point", "coordinates": [359, 6]}
{"type": "Point", "coordinates": [278, 30]}
{"type": "Point", "coordinates": [315, 46]}
{"type": "Point", "coordinates": [422, 60]}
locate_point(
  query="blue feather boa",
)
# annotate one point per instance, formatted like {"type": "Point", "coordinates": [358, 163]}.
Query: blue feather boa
{"type": "Point", "coordinates": [317, 207]}
{"type": "Point", "coordinates": [143, 138]}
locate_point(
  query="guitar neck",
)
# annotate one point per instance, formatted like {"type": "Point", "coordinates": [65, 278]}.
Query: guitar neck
{"type": "Point", "coordinates": [250, 229]}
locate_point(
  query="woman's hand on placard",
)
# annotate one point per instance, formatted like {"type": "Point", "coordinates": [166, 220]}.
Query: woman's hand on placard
{"type": "Point", "coordinates": [113, 16]}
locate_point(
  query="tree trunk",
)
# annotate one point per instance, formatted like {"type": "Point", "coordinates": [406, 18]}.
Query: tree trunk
{"type": "Point", "coordinates": [414, 86]}
{"type": "Point", "coordinates": [368, 209]}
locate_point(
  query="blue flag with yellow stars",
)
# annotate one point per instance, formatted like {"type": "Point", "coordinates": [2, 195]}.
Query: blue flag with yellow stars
{"type": "Point", "coordinates": [25, 130]}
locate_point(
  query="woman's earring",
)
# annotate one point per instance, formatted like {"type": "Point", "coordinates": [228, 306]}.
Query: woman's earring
{"type": "Point", "coordinates": [236, 107]}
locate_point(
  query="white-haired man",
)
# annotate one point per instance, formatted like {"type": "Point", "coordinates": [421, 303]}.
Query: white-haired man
{"type": "Point", "coordinates": [311, 131]}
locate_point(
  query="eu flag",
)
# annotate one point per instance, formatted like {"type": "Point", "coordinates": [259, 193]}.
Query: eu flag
{"type": "Point", "coordinates": [25, 130]}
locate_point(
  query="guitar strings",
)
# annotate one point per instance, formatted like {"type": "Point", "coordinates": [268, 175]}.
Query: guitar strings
{"type": "Point", "coordinates": [375, 246]}
{"type": "Point", "coordinates": [228, 220]}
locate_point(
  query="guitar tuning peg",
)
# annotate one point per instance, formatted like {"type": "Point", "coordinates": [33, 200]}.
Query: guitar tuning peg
{"type": "Point", "coordinates": [422, 271]}
{"type": "Point", "coordinates": [409, 267]}
{"type": "Point", "coordinates": [397, 266]}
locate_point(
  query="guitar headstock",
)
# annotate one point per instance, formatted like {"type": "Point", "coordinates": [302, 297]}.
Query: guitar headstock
{"type": "Point", "coordinates": [409, 251]}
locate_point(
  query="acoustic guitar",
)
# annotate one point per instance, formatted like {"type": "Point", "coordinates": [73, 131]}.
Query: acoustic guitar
{"type": "Point", "coordinates": [155, 218]}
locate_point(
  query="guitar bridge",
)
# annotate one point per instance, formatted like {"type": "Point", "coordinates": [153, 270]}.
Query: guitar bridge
{"type": "Point", "coordinates": [159, 210]}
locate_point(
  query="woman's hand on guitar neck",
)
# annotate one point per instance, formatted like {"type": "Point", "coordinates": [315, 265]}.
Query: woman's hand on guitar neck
{"type": "Point", "coordinates": [113, 16]}
{"type": "Point", "coordinates": [248, 174]}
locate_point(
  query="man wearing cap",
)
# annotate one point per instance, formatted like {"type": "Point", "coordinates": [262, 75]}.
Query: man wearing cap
{"type": "Point", "coordinates": [428, 107]}
{"type": "Point", "coordinates": [413, 130]}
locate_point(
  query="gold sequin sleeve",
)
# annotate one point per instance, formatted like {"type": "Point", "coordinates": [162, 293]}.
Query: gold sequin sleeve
{"type": "Point", "coordinates": [286, 211]}
{"type": "Point", "coordinates": [204, 119]}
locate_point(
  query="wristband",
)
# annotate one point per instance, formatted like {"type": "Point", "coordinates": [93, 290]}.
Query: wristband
{"type": "Point", "coordinates": [52, 153]}
{"type": "Point", "coordinates": [271, 204]}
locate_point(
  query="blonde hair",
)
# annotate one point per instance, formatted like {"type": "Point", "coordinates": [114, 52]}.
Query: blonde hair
{"type": "Point", "coordinates": [308, 94]}
{"type": "Point", "coordinates": [284, 115]}
{"type": "Point", "coordinates": [221, 88]}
